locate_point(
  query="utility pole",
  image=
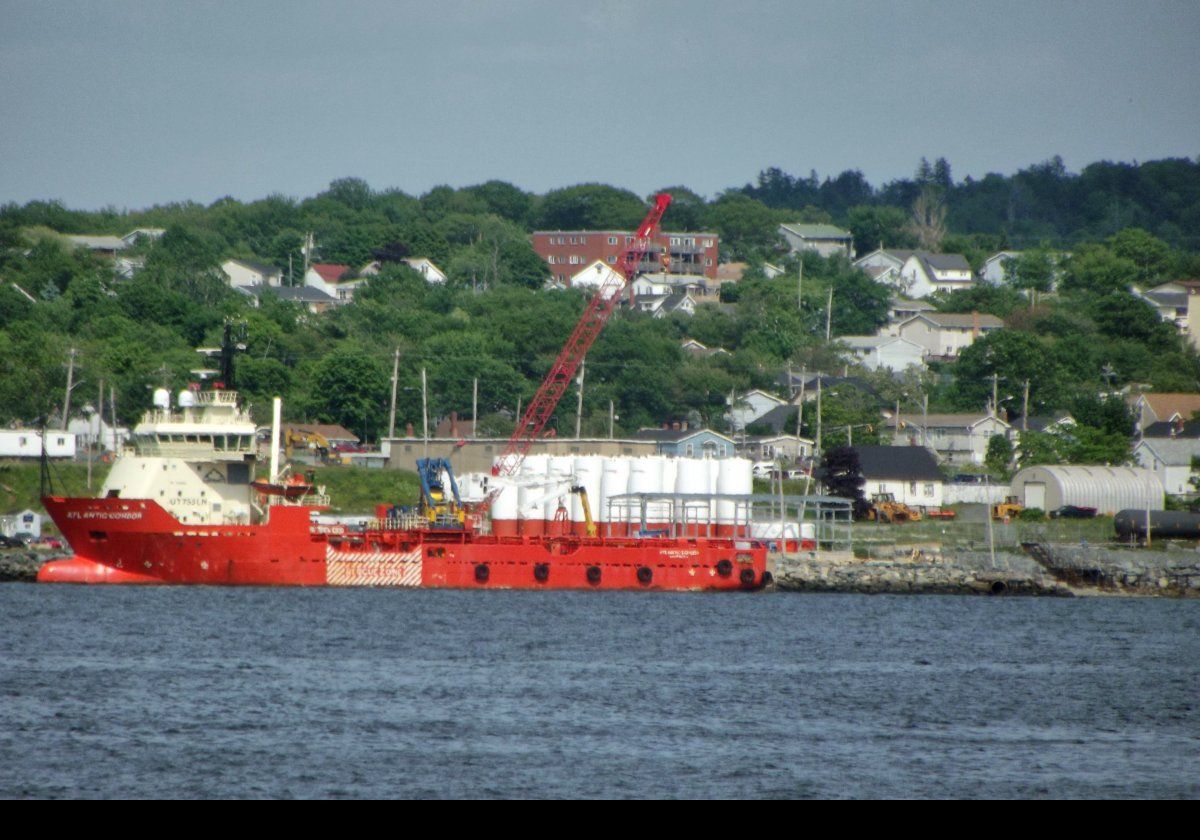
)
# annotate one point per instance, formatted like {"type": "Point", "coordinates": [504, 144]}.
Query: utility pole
{"type": "Point", "coordinates": [395, 375]}
{"type": "Point", "coordinates": [800, 407]}
{"type": "Point", "coordinates": [829, 314]}
{"type": "Point", "coordinates": [475, 408]}
{"type": "Point", "coordinates": [995, 394]}
{"type": "Point", "coordinates": [112, 405]}
{"type": "Point", "coordinates": [925, 421]}
{"type": "Point", "coordinates": [99, 415]}
{"type": "Point", "coordinates": [1025, 409]}
{"type": "Point", "coordinates": [819, 449]}
{"type": "Point", "coordinates": [71, 354]}
{"type": "Point", "coordinates": [800, 285]}
{"type": "Point", "coordinates": [897, 419]}
{"type": "Point", "coordinates": [424, 414]}
{"type": "Point", "coordinates": [579, 402]}
{"type": "Point", "coordinates": [611, 416]}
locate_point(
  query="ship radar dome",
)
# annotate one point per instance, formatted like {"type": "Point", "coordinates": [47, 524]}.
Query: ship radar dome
{"type": "Point", "coordinates": [162, 398]}
{"type": "Point", "coordinates": [186, 399]}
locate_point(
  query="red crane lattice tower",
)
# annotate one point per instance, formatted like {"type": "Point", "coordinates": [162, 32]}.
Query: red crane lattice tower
{"type": "Point", "coordinates": [598, 310]}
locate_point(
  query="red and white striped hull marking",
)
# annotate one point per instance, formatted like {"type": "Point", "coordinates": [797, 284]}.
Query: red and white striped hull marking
{"type": "Point", "coordinates": [362, 568]}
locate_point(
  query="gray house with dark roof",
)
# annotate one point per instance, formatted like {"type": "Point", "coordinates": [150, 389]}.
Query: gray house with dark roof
{"type": "Point", "coordinates": [826, 240]}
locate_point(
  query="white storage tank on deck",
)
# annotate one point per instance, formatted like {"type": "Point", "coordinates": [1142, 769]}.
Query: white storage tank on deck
{"type": "Point", "coordinates": [532, 487]}
{"type": "Point", "coordinates": [691, 476]}
{"type": "Point", "coordinates": [659, 513]}
{"type": "Point", "coordinates": [613, 482]}
{"type": "Point", "coordinates": [734, 478]}
{"type": "Point", "coordinates": [562, 467]}
{"type": "Point", "coordinates": [589, 471]}
{"type": "Point", "coordinates": [504, 511]}
{"type": "Point", "coordinates": [645, 476]}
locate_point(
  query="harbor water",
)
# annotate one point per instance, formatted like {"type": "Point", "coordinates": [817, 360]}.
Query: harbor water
{"type": "Point", "coordinates": [207, 692]}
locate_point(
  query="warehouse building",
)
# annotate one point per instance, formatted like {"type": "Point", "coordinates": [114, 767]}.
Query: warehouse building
{"type": "Point", "coordinates": [1107, 489]}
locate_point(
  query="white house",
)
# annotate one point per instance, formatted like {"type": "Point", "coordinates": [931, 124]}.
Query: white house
{"type": "Point", "coordinates": [946, 334]}
{"type": "Point", "coordinates": [328, 278]}
{"type": "Point", "coordinates": [663, 305]}
{"type": "Point", "coordinates": [27, 523]}
{"type": "Point", "coordinates": [909, 473]}
{"type": "Point", "coordinates": [27, 443]}
{"type": "Point", "coordinates": [955, 438]}
{"type": "Point", "coordinates": [750, 406]}
{"type": "Point", "coordinates": [427, 269]}
{"type": "Point", "coordinates": [1171, 460]}
{"type": "Point", "coordinates": [994, 270]}
{"type": "Point", "coordinates": [826, 240]}
{"type": "Point", "coordinates": [93, 429]}
{"type": "Point", "coordinates": [885, 351]}
{"type": "Point", "coordinates": [243, 273]}
{"type": "Point", "coordinates": [924, 273]}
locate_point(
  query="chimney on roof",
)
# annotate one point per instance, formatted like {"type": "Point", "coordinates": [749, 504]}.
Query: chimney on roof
{"type": "Point", "coordinates": [675, 426]}
{"type": "Point", "coordinates": [408, 430]}
{"type": "Point", "coordinates": [666, 426]}
{"type": "Point", "coordinates": [685, 425]}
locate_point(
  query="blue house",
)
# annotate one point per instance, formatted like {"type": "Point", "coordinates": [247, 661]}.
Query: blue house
{"type": "Point", "coordinates": [689, 443]}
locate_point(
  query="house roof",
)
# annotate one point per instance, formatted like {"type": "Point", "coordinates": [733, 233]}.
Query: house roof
{"type": "Point", "coordinates": [779, 418]}
{"type": "Point", "coordinates": [98, 242]}
{"type": "Point", "coordinates": [817, 231]}
{"type": "Point", "coordinates": [674, 435]}
{"type": "Point", "coordinates": [296, 294]}
{"type": "Point", "coordinates": [945, 262]}
{"type": "Point", "coordinates": [1169, 429]}
{"type": "Point", "coordinates": [942, 421]}
{"type": "Point", "coordinates": [330, 272]}
{"type": "Point", "coordinates": [1166, 406]}
{"type": "Point", "coordinates": [907, 463]}
{"type": "Point", "coordinates": [959, 320]}
{"type": "Point", "coordinates": [866, 342]}
{"type": "Point", "coordinates": [1174, 452]}
{"type": "Point", "coordinates": [1041, 424]}
{"type": "Point", "coordinates": [731, 272]}
{"type": "Point", "coordinates": [260, 268]}
{"type": "Point", "coordinates": [904, 304]}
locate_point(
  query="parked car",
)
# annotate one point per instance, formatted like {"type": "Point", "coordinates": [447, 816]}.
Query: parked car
{"type": "Point", "coordinates": [11, 542]}
{"type": "Point", "coordinates": [1073, 512]}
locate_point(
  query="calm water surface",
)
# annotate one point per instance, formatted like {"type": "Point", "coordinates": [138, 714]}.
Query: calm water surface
{"type": "Point", "coordinates": [198, 692]}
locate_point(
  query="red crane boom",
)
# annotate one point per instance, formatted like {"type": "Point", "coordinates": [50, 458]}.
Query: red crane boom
{"type": "Point", "coordinates": [598, 310]}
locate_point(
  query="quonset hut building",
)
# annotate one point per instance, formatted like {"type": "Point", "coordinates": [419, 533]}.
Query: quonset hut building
{"type": "Point", "coordinates": [1107, 489]}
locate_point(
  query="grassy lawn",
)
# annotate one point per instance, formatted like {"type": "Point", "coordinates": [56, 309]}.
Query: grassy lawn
{"type": "Point", "coordinates": [352, 490]}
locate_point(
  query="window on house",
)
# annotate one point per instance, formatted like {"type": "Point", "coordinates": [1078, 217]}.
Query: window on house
{"type": "Point", "coordinates": [928, 489]}
{"type": "Point", "coordinates": [688, 450]}
{"type": "Point", "coordinates": [912, 487]}
{"type": "Point", "coordinates": [612, 240]}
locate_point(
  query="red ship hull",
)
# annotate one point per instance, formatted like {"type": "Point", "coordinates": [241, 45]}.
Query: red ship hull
{"type": "Point", "coordinates": [131, 541]}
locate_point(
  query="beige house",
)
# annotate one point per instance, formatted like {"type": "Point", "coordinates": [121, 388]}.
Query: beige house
{"type": "Point", "coordinates": [826, 240]}
{"type": "Point", "coordinates": [945, 334]}
{"type": "Point", "coordinates": [955, 438]}
{"type": "Point", "coordinates": [242, 274]}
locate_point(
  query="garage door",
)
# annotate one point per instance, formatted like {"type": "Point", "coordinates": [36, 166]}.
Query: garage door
{"type": "Point", "coordinates": [1035, 495]}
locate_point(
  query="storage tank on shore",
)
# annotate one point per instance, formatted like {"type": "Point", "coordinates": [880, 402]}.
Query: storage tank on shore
{"type": "Point", "coordinates": [530, 510]}
{"type": "Point", "coordinates": [614, 481]}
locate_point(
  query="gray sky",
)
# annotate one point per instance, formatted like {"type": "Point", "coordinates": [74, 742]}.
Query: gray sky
{"type": "Point", "coordinates": [131, 103]}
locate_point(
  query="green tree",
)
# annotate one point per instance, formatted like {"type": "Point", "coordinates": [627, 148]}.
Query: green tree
{"type": "Point", "coordinates": [999, 456]}
{"type": "Point", "coordinates": [350, 387]}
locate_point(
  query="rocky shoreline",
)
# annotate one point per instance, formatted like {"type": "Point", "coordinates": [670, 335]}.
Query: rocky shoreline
{"type": "Point", "coordinates": [1037, 570]}
{"type": "Point", "coordinates": [21, 565]}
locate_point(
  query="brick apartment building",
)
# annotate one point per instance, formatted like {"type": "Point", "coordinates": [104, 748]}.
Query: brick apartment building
{"type": "Point", "coordinates": [566, 252]}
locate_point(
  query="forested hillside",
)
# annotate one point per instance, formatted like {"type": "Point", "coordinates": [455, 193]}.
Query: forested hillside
{"type": "Point", "coordinates": [493, 322]}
